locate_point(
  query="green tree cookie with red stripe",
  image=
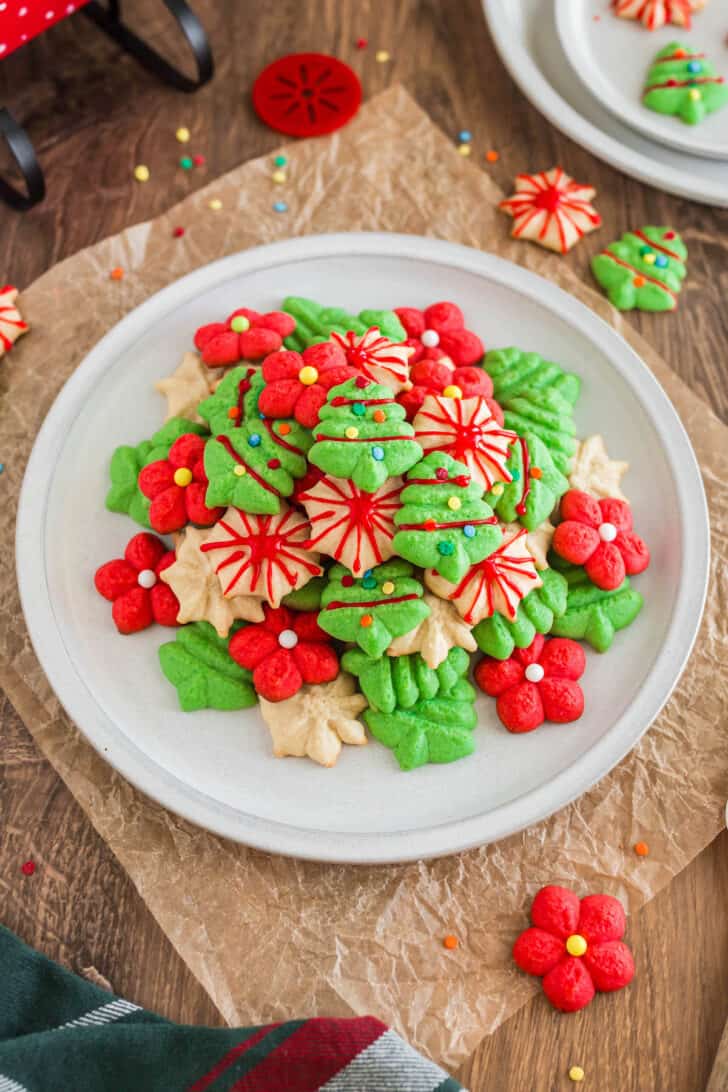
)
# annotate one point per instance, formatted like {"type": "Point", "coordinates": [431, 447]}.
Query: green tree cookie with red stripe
{"type": "Point", "coordinates": [444, 523]}
{"type": "Point", "coordinates": [386, 602]}
{"type": "Point", "coordinates": [644, 269]}
{"type": "Point", "coordinates": [684, 84]}
{"type": "Point", "coordinates": [363, 435]}
{"type": "Point", "coordinates": [253, 466]}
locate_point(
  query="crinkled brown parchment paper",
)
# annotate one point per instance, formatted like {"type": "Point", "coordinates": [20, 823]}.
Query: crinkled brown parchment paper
{"type": "Point", "coordinates": [271, 938]}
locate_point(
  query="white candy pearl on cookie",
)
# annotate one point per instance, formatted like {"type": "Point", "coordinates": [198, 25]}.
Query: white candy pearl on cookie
{"type": "Point", "coordinates": [607, 532]}
{"type": "Point", "coordinates": [287, 638]}
{"type": "Point", "coordinates": [147, 578]}
{"type": "Point", "coordinates": [534, 673]}
{"type": "Point", "coordinates": [430, 339]}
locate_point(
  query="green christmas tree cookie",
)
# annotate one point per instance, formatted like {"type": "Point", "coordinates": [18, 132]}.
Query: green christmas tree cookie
{"type": "Point", "coordinates": [684, 84]}
{"type": "Point", "coordinates": [363, 435]}
{"type": "Point", "coordinates": [644, 270]}
{"type": "Point", "coordinates": [253, 466]}
{"type": "Point", "coordinates": [198, 665]}
{"type": "Point", "coordinates": [316, 323]}
{"type": "Point", "coordinates": [537, 613]}
{"type": "Point", "coordinates": [124, 495]}
{"type": "Point", "coordinates": [399, 682]}
{"type": "Point", "coordinates": [513, 371]}
{"type": "Point", "coordinates": [235, 400]}
{"type": "Point", "coordinates": [594, 615]}
{"type": "Point", "coordinates": [444, 524]}
{"type": "Point", "coordinates": [536, 487]}
{"type": "Point", "coordinates": [386, 602]}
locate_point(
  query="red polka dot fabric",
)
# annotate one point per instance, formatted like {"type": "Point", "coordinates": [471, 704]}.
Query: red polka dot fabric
{"type": "Point", "coordinates": [21, 20]}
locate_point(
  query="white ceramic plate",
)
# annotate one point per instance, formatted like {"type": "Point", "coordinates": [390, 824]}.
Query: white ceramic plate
{"type": "Point", "coordinates": [217, 769]}
{"type": "Point", "coordinates": [524, 32]}
{"type": "Point", "coordinates": [612, 56]}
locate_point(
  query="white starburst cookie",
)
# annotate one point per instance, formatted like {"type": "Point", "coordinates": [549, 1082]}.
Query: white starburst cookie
{"type": "Point", "coordinates": [551, 209]}
{"type": "Point", "coordinates": [594, 472]}
{"type": "Point", "coordinates": [186, 387]}
{"type": "Point", "coordinates": [538, 541]}
{"type": "Point", "coordinates": [316, 721]}
{"type": "Point", "coordinates": [442, 630]}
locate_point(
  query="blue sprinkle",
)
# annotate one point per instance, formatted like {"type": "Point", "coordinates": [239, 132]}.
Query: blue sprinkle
{"type": "Point", "coordinates": [262, 416]}
{"type": "Point", "coordinates": [359, 409]}
{"type": "Point", "coordinates": [661, 261]}
{"type": "Point", "coordinates": [280, 206]}
{"type": "Point", "coordinates": [469, 530]}
{"type": "Point", "coordinates": [367, 572]}
{"type": "Point", "coordinates": [2, 467]}
{"type": "Point", "coordinates": [695, 66]}
{"type": "Point", "coordinates": [378, 453]}
{"type": "Point", "coordinates": [254, 440]}
{"type": "Point", "coordinates": [465, 136]}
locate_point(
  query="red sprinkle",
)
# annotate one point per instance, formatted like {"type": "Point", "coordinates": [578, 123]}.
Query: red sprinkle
{"type": "Point", "coordinates": [361, 43]}
{"type": "Point", "coordinates": [28, 868]}
{"type": "Point", "coordinates": [178, 232]}
{"type": "Point", "coordinates": [199, 160]}
{"type": "Point", "coordinates": [347, 581]}
{"type": "Point", "coordinates": [274, 463]}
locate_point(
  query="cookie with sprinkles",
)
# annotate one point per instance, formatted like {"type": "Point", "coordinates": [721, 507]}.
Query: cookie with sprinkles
{"type": "Point", "coordinates": [534, 484]}
{"type": "Point", "coordinates": [354, 527]}
{"type": "Point", "coordinates": [645, 269]}
{"type": "Point", "coordinates": [466, 429]}
{"type": "Point", "coordinates": [385, 603]}
{"type": "Point", "coordinates": [444, 523]}
{"type": "Point", "coordinates": [264, 556]}
{"type": "Point", "coordinates": [363, 435]}
{"type": "Point", "coordinates": [252, 467]}
{"type": "Point", "coordinates": [551, 209]}
{"type": "Point", "coordinates": [684, 84]}
{"type": "Point", "coordinates": [376, 357]}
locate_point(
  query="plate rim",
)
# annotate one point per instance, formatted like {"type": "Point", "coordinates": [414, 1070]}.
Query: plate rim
{"type": "Point", "coordinates": [356, 848]}
{"type": "Point", "coordinates": [532, 83]}
{"type": "Point", "coordinates": [576, 46]}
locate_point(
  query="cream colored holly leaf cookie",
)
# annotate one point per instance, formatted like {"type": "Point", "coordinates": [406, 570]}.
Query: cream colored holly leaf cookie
{"type": "Point", "coordinates": [442, 630]}
{"type": "Point", "coordinates": [316, 721]}
{"type": "Point", "coordinates": [11, 321]}
{"type": "Point", "coordinates": [594, 472]}
{"type": "Point", "coordinates": [193, 580]}
{"type": "Point", "coordinates": [538, 541]}
{"type": "Point", "coordinates": [185, 388]}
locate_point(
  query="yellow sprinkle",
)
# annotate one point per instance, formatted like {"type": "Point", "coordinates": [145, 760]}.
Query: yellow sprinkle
{"type": "Point", "coordinates": [576, 1073]}
{"type": "Point", "coordinates": [650, 259]}
{"type": "Point", "coordinates": [454, 504]}
{"type": "Point", "coordinates": [497, 490]}
{"type": "Point", "coordinates": [182, 476]}
{"type": "Point", "coordinates": [351, 433]}
{"type": "Point", "coordinates": [576, 945]}
{"type": "Point", "coordinates": [215, 204]}
{"type": "Point", "coordinates": [695, 95]}
{"type": "Point", "coordinates": [141, 173]}
{"type": "Point", "coordinates": [453, 391]}
{"type": "Point", "coordinates": [464, 149]}
{"type": "Point", "coordinates": [387, 587]}
{"type": "Point", "coordinates": [307, 375]}
{"type": "Point", "coordinates": [382, 56]}
{"type": "Point", "coordinates": [279, 177]}
{"type": "Point", "coordinates": [182, 134]}
{"type": "Point", "coordinates": [238, 471]}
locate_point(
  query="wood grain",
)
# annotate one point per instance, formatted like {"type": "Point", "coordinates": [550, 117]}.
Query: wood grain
{"type": "Point", "coordinates": [93, 115]}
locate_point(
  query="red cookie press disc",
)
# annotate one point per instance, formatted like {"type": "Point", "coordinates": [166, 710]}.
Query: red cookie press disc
{"type": "Point", "coordinates": [306, 94]}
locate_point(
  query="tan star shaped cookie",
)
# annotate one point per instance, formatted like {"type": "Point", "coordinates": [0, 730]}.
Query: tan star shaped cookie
{"type": "Point", "coordinates": [185, 388]}
{"type": "Point", "coordinates": [11, 321]}
{"type": "Point", "coordinates": [442, 630]}
{"type": "Point", "coordinates": [316, 721]}
{"type": "Point", "coordinates": [594, 472]}
{"type": "Point", "coordinates": [193, 580]}
{"type": "Point", "coordinates": [538, 541]}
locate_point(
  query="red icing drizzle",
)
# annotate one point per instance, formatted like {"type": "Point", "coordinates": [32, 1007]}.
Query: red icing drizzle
{"type": "Point", "coordinates": [444, 526]}
{"type": "Point", "coordinates": [683, 83]}
{"type": "Point", "coordinates": [461, 480]}
{"type": "Point", "coordinates": [264, 548]}
{"type": "Point", "coordinates": [279, 439]}
{"type": "Point", "coordinates": [224, 442]}
{"type": "Point", "coordinates": [657, 246]}
{"type": "Point", "coordinates": [337, 604]}
{"type": "Point", "coordinates": [340, 400]}
{"type": "Point", "coordinates": [360, 439]}
{"type": "Point", "coordinates": [521, 506]}
{"type": "Point", "coordinates": [638, 272]}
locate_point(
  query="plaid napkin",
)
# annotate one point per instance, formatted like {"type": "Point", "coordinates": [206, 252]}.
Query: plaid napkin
{"type": "Point", "coordinates": [59, 1033]}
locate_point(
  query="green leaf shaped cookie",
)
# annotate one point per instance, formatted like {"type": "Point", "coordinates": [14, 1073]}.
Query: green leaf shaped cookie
{"type": "Point", "coordinates": [444, 524]}
{"type": "Point", "coordinates": [513, 371]}
{"type": "Point", "coordinates": [436, 730]}
{"type": "Point", "coordinates": [537, 613]}
{"type": "Point", "coordinates": [536, 487]}
{"type": "Point", "coordinates": [684, 84]}
{"type": "Point", "coordinates": [399, 682]}
{"type": "Point", "coordinates": [544, 413]}
{"type": "Point", "coordinates": [644, 269]}
{"type": "Point", "coordinates": [308, 597]}
{"type": "Point", "coordinates": [594, 615]}
{"type": "Point", "coordinates": [124, 495]}
{"type": "Point", "coordinates": [386, 602]}
{"type": "Point", "coordinates": [315, 323]}
{"type": "Point", "coordinates": [252, 467]}
{"type": "Point", "coordinates": [198, 665]}
{"type": "Point", "coordinates": [363, 435]}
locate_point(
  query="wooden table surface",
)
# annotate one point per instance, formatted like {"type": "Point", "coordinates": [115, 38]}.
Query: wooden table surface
{"type": "Point", "coordinates": [93, 115]}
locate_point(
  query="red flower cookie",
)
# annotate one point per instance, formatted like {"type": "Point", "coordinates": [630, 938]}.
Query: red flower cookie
{"type": "Point", "coordinates": [598, 535]}
{"type": "Point", "coordinates": [440, 331]}
{"type": "Point", "coordinates": [285, 651]}
{"type": "Point", "coordinates": [132, 584]}
{"type": "Point", "coordinates": [297, 384]}
{"type": "Point", "coordinates": [575, 946]}
{"type": "Point", "coordinates": [245, 335]}
{"type": "Point", "coordinates": [176, 486]}
{"type": "Point", "coordinates": [536, 684]}
{"type": "Point", "coordinates": [440, 377]}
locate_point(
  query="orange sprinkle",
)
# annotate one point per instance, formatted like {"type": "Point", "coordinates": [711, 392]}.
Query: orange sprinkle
{"type": "Point", "coordinates": [536, 472]}
{"type": "Point", "coordinates": [492, 156]}
{"type": "Point", "coordinates": [117, 273]}
{"type": "Point", "coordinates": [283, 429]}
{"type": "Point", "coordinates": [639, 282]}
{"type": "Point", "coordinates": [233, 412]}
{"type": "Point", "coordinates": [379, 416]}
{"type": "Point", "coordinates": [450, 942]}
{"type": "Point", "coordinates": [366, 620]}
{"type": "Point", "coordinates": [642, 849]}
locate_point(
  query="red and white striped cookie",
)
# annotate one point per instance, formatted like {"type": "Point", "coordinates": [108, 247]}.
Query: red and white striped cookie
{"type": "Point", "coordinates": [354, 527]}
{"type": "Point", "coordinates": [551, 209]}
{"type": "Point", "coordinates": [466, 429]}
{"type": "Point", "coordinates": [376, 357]}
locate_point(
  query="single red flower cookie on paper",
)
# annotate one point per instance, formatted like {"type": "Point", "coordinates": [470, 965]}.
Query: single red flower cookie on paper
{"type": "Point", "coordinates": [176, 486]}
{"type": "Point", "coordinates": [551, 209]}
{"type": "Point", "coordinates": [244, 335]}
{"type": "Point", "coordinates": [536, 684]}
{"type": "Point", "coordinates": [576, 946]}
{"type": "Point", "coordinates": [297, 383]}
{"type": "Point", "coordinates": [439, 377]}
{"type": "Point", "coordinates": [285, 651]}
{"type": "Point", "coordinates": [439, 331]}
{"type": "Point", "coordinates": [132, 584]}
{"type": "Point", "coordinates": [598, 535]}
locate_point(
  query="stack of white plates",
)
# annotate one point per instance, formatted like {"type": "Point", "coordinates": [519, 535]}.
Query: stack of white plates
{"type": "Point", "coordinates": [584, 69]}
